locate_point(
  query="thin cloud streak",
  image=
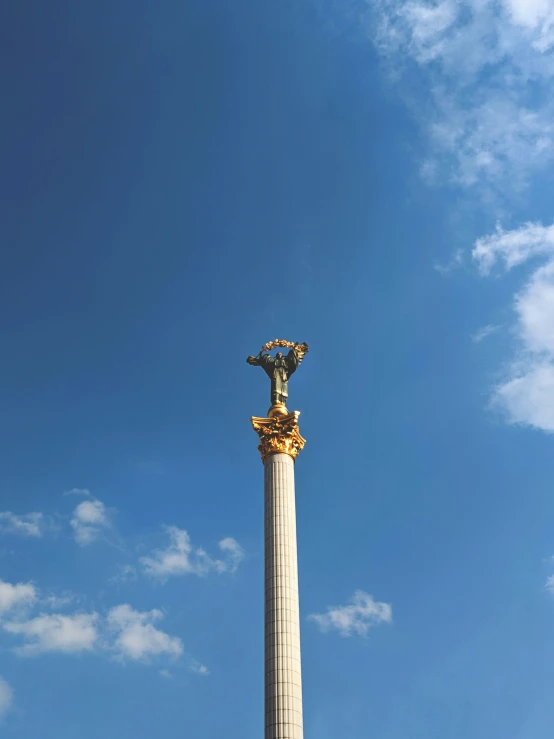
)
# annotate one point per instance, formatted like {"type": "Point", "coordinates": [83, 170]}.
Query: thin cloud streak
{"type": "Point", "coordinates": [484, 332]}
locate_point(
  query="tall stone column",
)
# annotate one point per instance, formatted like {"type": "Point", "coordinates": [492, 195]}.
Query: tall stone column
{"type": "Point", "coordinates": [280, 444]}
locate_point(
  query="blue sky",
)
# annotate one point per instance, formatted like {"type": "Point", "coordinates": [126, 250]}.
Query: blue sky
{"type": "Point", "coordinates": [183, 182]}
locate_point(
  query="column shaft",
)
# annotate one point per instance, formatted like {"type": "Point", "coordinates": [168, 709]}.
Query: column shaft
{"type": "Point", "coordinates": [283, 682]}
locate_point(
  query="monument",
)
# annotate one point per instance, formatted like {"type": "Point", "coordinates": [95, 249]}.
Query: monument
{"type": "Point", "coordinates": [280, 444]}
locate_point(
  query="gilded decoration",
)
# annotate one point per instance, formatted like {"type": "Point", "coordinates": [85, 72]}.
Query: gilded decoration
{"type": "Point", "coordinates": [279, 435]}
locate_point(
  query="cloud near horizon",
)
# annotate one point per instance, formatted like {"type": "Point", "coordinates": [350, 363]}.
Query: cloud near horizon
{"type": "Point", "coordinates": [122, 632]}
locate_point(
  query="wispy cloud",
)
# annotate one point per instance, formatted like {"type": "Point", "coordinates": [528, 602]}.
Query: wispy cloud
{"type": "Point", "coordinates": [89, 521]}
{"type": "Point", "coordinates": [125, 573]}
{"type": "Point", "coordinates": [179, 557]}
{"type": "Point", "coordinates": [55, 602]}
{"type": "Point", "coordinates": [484, 71]}
{"type": "Point", "coordinates": [454, 263]}
{"type": "Point", "coordinates": [475, 58]}
{"type": "Point", "coordinates": [83, 492]}
{"type": "Point", "coordinates": [484, 332]}
{"type": "Point", "coordinates": [356, 618]}
{"type": "Point", "coordinates": [513, 248]}
{"type": "Point", "coordinates": [199, 668]}
{"type": "Point", "coordinates": [6, 698]}
{"type": "Point", "coordinates": [26, 524]}
{"type": "Point", "coordinates": [234, 552]}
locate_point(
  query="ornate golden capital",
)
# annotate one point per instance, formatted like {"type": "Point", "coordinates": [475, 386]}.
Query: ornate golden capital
{"type": "Point", "coordinates": [279, 435]}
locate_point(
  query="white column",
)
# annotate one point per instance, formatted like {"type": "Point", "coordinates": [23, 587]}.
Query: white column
{"type": "Point", "coordinates": [283, 682]}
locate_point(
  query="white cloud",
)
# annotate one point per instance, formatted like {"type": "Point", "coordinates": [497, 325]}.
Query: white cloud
{"type": "Point", "coordinates": [429, 24]}
{"type": "Point", "coordinates": [27, 524]}
{"type": "Point", "coordinates": [16, 596]}
{"type": "Point", "coordinates": [56, 633]}
{"type": "Point", "coordinates": [535, 310]}
{"type": "Point", "coordinates": [526, 394]}
{"type": "Point", "coordinates": [455, 263]}
{"type": "Point", "coordinates": [125, 573]}
{"type": "Point", "coordinates": [124, 631]}
{"type": "Point", "coordinates": [356, 618]}
{"type": "Point", "coordinates": [6, 698]}
{"type": "Point", "coordinates": [530, 13]}
{"type": "Point", "coordinates": [178, 558]}
{"type": "Point", "coordinates": [181, 558]}
{"type": "Point", "coordinates": [21, 597]}
{"type": "Point", "coordinates": [136, 636]}
{"type": "Point", "coordinates": [549, 585]}
{"type": "Point", "coordinates": [528, 398]}
{"type": "Point", "coordinates": [89, 521]}
{"type": "Point", "coordinates": [536, 16]}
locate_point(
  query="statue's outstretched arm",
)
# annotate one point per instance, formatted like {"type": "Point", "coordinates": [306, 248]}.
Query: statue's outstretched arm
{"type": "Point", "coordinates": [262, 360]}
{"type": "Point", "coordinates": [255, 361]}
{"type": "Point", "coordinates": [295, 356]}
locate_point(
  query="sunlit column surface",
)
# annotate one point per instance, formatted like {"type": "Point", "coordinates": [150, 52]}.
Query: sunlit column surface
{"type": "Point", "coordinates": [283, 681]}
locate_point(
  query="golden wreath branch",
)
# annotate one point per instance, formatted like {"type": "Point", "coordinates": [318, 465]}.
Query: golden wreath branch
{"type": "Point", "coordinates": [283, 343]}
